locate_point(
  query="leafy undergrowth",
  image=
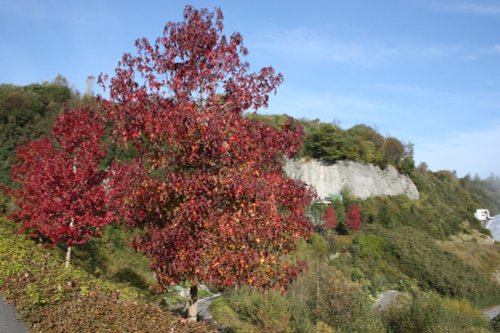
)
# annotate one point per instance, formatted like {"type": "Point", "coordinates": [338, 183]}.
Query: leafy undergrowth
{"type": "Point", "coordinates": [50, 298]}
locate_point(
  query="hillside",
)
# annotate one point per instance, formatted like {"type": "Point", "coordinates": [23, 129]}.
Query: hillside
{"type": "Point", "coordinates": [424, 242]}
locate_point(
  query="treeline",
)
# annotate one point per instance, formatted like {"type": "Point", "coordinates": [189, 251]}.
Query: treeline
{"type": "Point", "coordinates": [360, 143]}
{"type": "Point", "coordinates": [487, 190]}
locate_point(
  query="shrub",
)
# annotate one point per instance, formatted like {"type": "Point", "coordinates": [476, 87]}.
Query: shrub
{"type": "Point", "coordinates": [371, 246]}
{"type": "Point", "coordinates": [345, 306]}
{"type": "Point", "coordinates": [321, 327]}
{"type": "Point", "coordinates": [226, 316]}
{"type": "Point", "coordinates": [249, 310]}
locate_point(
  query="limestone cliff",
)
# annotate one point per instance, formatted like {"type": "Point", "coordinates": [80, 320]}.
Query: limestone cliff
{"type": "Point", "coordinates": [362, 180]}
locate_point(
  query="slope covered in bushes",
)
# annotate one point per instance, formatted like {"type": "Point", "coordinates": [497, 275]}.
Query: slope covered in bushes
{"type": "Point", "coordinates": [403, 244]}
{"type": "Point", "coordinates": [414, 246]}
{"type": "Point", "coordinates": [50, 298]}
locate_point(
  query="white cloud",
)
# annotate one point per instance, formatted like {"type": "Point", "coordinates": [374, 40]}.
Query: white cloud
{"type": "Point", "coordinates": [468, 7]}
{"type": "Point", "coordinates": [307, 45]}
{"type": "Point", "coordinates": [349, 109]}
{"type": "Point", "coordinates": [480, 53]}
{"type": "Point", "coordinates": [304, 43]}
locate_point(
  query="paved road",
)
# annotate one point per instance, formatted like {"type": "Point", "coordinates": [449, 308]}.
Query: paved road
{"type": "Point", "coordinates": [203, 305]}
{"type": "Point", "coordinates": [491, 312]}
{"type": "Point", "coordinates": [494, 226]}
{"type": "Point", "coordinates": [8, 321]}
{"type": "Point", "coordinates": [386, 298]}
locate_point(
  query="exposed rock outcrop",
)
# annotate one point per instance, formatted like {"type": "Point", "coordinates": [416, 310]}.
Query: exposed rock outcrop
{"type": "Point", "coordinates": [362, 180]}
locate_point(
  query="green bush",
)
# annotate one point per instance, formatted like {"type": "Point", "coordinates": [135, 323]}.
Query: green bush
{"type": "Point", "coordinates": [27, 113]}
{"type": "Point", "coordinates": [371, 246]}
{"type": "Point", "coordinates": [330, 143]}
{"type": "Point", "coordinates": [332, 299]}
{"type": "Point", "coordinates": [345, 306]}
{"type": "Point", "coordinates": [250, 310]}
{"type": "Point", "coordinates": [229, 319]}
{"type": "Point", "coordinates": [111, 257]}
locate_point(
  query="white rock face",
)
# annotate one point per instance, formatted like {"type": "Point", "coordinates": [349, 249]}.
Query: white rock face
{"type": "Point", "coordinates": [362, 180]}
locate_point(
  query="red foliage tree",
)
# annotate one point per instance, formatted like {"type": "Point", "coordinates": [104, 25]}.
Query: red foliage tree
{"type": "Point", "coordinates": [329, 219]}
{"type": "Point", "coordinates": [61, 196]}
{"type": "Point", "coordinates": [210, 193]}
{"type": "Point", "coordinates": [354, 218]}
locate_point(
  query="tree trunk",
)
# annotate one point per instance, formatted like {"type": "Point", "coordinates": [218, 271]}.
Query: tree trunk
{"type": "Point", "coordinates": [68, 256]}
{"type": "Point", "coordinates": [192, 308]}
{"type": "Point", "coordinates": [71, 225]}
{"type": "Point", "coordinates": [68, 250]}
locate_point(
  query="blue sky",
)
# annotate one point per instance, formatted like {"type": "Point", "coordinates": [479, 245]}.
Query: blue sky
{"type": "Point", "coordinates": [425, 71]}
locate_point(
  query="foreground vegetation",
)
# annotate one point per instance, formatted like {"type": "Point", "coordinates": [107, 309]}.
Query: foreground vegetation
{"type": "Point", "coordinates": [432, 248]}
{"type": "Point", "coordinates": [336, 294]}
{"type": "Point", "coordinates": [50, 298]}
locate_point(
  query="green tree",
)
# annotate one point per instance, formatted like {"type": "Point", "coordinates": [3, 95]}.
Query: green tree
{"type": "Point", "coordinates": [385, 217]}
{"type": "Point", "coordinates": [394, 151]}
{"type": "Point", "coordinates": [329, 143]}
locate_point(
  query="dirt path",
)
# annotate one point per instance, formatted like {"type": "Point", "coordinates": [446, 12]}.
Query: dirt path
{"type": "Point", "coordinates": [8, 321]}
